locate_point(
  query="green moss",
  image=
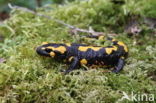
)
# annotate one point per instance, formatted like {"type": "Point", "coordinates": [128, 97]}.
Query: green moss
{"type": "Point", "coordinates": [27, 77]}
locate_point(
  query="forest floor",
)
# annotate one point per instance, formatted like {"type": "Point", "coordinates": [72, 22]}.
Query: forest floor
{"type": "Point", "coordinates": [26, 77]}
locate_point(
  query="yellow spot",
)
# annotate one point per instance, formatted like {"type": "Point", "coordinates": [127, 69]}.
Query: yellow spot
{"type": "Point", "coordinates": [124, 46]}
{"type": "Point", "coordinates": [83, 61]}
{"type": "Point", "coordinates": [70, 59]}
{"type": "Point", "coordinates": [43, 48]}
{"type": "Point", "coordinates": [61, 49]}
{"type": "Point", "coordinates": [101, 37]}
{"type": "Point", "coordinates": [44, 43]}
{"type": "Point", "coordinates": [110, 50]}
{"type": "Point", "coordinates": [85, 48]}
{"type": "Point", "coordinates": [52, 54]}
{"type": "Point", "coordinates": [68, 44]}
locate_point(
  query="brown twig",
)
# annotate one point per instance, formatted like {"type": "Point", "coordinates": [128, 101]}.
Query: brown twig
{"type": "Point", "coordinates": [73, 28]}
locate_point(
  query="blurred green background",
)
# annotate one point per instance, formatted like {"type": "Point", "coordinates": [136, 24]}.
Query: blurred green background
{"type": "Point", "coordinates": [32, 4]}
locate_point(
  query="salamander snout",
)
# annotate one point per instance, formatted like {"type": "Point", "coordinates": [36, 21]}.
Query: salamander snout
{"type": "Point", "coordinates": [43, 51]}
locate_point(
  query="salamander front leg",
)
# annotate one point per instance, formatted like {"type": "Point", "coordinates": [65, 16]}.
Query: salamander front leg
{"type": "Point", "coordinates": [74, 65]}
{"type": "Point", "coordinates": [119, 65]}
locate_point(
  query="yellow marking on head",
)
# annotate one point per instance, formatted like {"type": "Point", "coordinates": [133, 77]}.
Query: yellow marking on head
{"type": "Point", "coordinates": [70, 59]}
{"type": "Point", "coordinates": [44, 43]}
{"type": "Point", "coordinates": [52, 54]}
{"type": "Point", "coordinates": [124, 46]}
{"type": "Point", "coordinates": [49, 47]}
{"type": "Point", "coordinates": [101, 37]}
{"type": "Point", "coordinates": [68, 44]}
{"type": "Point", "coordinates": [85, 48]}
{"type": "Point", "coordinates": [110, 50]}
{"type": "Point", "coordinates": [61, 49]}
{"type": "Point", "coordinates": [83, 61]}
{"type": "Point", "coordinates": [43, 48]}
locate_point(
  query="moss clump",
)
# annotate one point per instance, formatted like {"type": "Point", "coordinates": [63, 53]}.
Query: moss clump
{"type": "Point", "coordinates": [27, 77]}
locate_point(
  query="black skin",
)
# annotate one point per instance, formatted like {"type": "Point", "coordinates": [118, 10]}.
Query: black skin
{"type": "Point", "coordinates": [74, 56]}
{"type": "Point", "coordinates": [74, 65]}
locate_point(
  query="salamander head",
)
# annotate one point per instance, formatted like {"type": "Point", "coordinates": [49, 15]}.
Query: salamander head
{"type": "Point", "coordinates": [51, 50]}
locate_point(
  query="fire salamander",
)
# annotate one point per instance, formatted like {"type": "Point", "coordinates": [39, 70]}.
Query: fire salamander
{"type": "Point", "coordinates": [81, 54]}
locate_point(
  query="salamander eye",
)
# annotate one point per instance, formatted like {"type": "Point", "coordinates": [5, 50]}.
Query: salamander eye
{"type": "Point", "coordinates": [48, 50]}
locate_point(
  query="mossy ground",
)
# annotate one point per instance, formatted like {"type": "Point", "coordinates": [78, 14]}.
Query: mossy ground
{"type": "Point", "coordinates": [26, 77]}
